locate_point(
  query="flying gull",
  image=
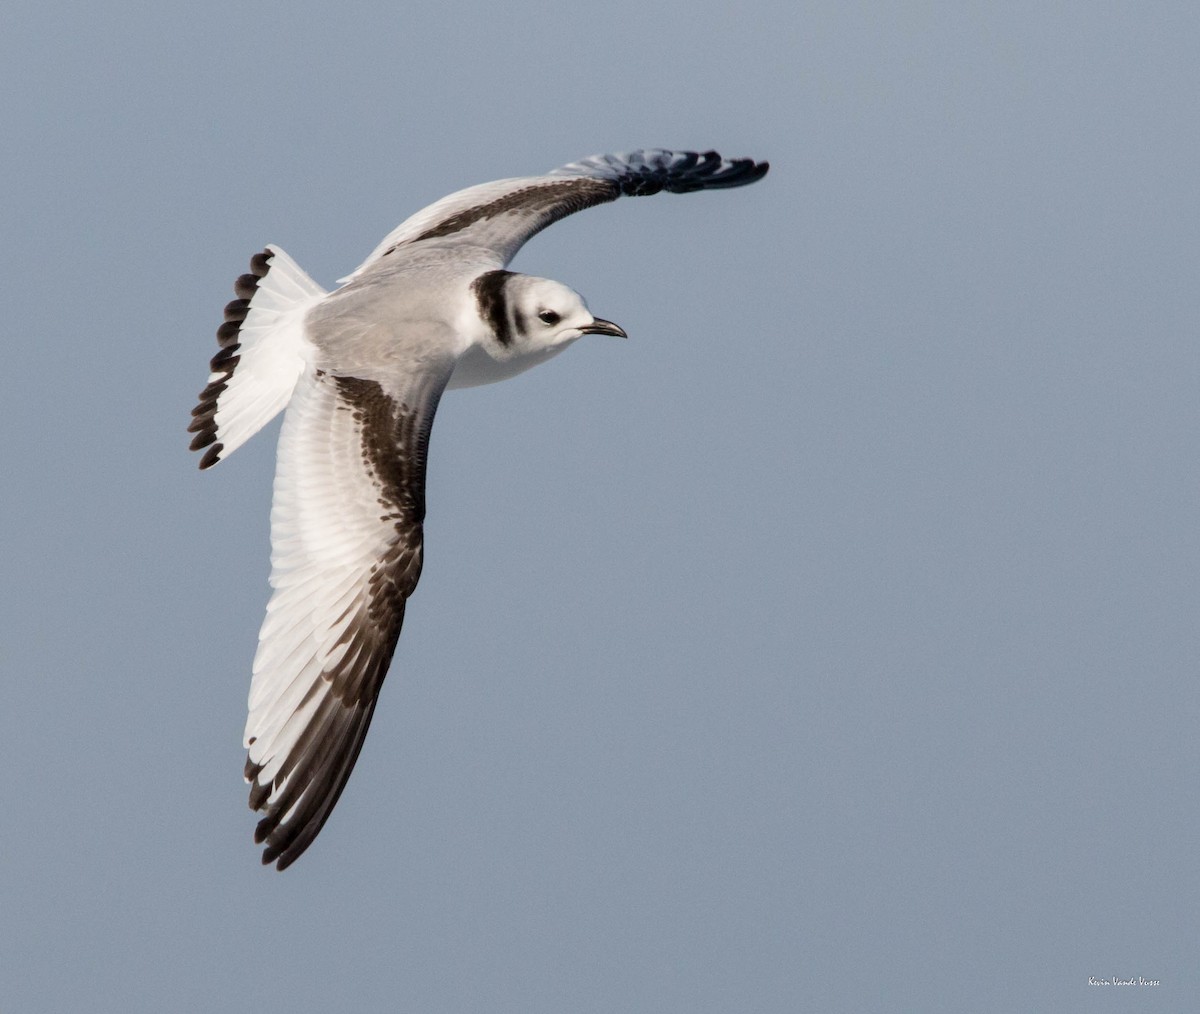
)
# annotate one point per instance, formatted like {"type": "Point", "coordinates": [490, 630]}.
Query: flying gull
{"type": "Point", "coordinates": [360, 371]}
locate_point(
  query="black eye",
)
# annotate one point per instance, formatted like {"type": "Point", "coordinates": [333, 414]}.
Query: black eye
{"type": "Point", "coordinates": [549, 317]}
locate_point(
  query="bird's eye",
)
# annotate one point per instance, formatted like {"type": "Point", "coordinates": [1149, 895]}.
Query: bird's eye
{"type": "Point", "coordinates": [549, 317]}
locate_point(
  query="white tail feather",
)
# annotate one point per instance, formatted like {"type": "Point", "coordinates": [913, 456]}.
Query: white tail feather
{"type": "Point", "coordinates": [265, 349]}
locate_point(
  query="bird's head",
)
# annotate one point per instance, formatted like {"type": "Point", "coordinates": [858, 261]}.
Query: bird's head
{"type": "Point", "coordinates": [526, 315]}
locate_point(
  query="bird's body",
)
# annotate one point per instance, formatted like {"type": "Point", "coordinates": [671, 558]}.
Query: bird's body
{"type": "Point", "coordinates": [360, 371]}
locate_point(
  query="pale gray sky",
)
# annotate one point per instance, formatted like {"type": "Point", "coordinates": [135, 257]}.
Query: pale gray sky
{"type": "Point", "coordinates": [830, 645]}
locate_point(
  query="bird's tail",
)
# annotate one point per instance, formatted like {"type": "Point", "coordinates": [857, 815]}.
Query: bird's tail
{"type": "Point", "coordinates": [263, 352]}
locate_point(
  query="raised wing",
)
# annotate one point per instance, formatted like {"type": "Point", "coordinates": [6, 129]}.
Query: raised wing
{"type": "Point", "coordinates": [346, 551]}
{"type": "Point", "coordinates": [501, 216]}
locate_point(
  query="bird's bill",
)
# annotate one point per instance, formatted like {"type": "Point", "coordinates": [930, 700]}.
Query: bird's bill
{"type": "Point", "coordinates": [598, 326]}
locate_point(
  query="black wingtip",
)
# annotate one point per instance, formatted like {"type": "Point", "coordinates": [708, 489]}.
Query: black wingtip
{"type": "Point", "coordinates": [683, 172]}
{"type": "Point", "coordinates": [736, 172]}
{"type": "Point", "coordinates": [649, 171]}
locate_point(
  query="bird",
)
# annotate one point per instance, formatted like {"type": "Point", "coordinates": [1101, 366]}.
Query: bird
{"type": "Point", "coordinates": [358, 372]}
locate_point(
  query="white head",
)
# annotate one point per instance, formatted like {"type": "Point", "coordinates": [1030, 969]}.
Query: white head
{"type": "Point", "coordinates": [524, 315]}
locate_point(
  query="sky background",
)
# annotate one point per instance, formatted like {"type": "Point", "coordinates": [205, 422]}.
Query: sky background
{"type": "Point", "coordinates": [830, 645]}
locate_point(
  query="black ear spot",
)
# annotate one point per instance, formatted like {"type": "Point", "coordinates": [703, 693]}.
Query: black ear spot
{"type": "Point", "coordinates": [549, 317]}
